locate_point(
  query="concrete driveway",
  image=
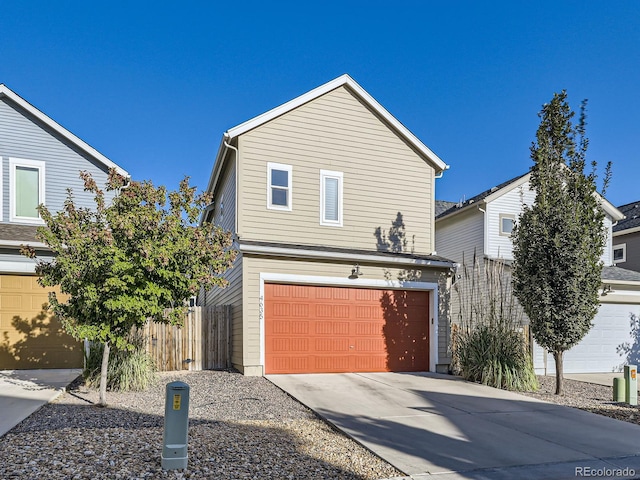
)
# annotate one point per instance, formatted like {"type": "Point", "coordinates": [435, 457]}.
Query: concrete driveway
{"type": "Point", "coordinates": [427, 424]}
{"type": "Point", "coordinates": [22, 392]}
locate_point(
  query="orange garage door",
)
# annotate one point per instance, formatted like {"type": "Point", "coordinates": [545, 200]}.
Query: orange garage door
{"type": "Point", "coordinates": [311, 329]}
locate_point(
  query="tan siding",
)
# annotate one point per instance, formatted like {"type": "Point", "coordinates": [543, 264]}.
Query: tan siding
{"type": "Point", "coordinates": [253, 266]}
{"type": "Point", "coordinates": [382, 176]}
{"type": "Point", "coordinates": [225, 197]}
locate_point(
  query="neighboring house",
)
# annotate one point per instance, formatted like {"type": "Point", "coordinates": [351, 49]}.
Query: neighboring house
{"type": "Point", "coordinates": [319, 194]}
{"type": "Point", "coordinates": [483, 225]}
{"type": "Point", "coordinates": [39, 160]}
{"type": "Point", "coordinates": [626, 238]}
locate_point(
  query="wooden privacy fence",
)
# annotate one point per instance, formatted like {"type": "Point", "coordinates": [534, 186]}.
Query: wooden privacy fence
{"type": "Point", "coordinates": [202, 343]}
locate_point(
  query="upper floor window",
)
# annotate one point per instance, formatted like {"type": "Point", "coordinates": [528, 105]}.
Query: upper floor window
{"type": "Point", "coordinates": [620, 253]}
{"type": "Point", "coordinates": [279, 186]}
{"type": "Point", "coordinates": [26, 189]}
{"type": "Point", "coordinates": [330, 198]}
{"type": "Point", "coordinates": [506, 224]}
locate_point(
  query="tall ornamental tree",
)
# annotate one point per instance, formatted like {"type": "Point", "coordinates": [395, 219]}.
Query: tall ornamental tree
{"type": "Point", "coordinates": [122, 263]}
{"type": "Point", "coordinates": [558, 241]}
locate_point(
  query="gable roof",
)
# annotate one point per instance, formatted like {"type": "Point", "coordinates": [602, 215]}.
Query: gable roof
{"type": "Point", "coordinates": [6, 92]}
{"type": "Point", "coordinates": [342, 81]}
{"type": "Point", "coordinates": [631, 211]}
{"type": "Point", "coordinates": [499, 190]}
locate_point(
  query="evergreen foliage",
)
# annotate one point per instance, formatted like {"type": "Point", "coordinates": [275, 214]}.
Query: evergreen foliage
{"type": "Point", "coordinates": [558, 241]}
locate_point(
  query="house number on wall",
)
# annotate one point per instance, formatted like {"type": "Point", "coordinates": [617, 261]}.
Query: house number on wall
{"type": "Point", "coordinates": [261, 308]}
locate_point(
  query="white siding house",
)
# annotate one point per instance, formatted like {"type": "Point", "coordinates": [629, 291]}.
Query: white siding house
{"type": "Point", "coordinates": [482, 225]}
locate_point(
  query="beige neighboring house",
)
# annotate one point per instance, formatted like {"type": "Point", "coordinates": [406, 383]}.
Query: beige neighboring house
{"type": "Point", "coordinates": [310, 190]}
{"type": "Point", "coordinates": [483, 225]}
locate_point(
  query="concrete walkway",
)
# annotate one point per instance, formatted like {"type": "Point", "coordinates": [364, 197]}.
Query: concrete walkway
{"type": "Point", "coordinates": [597, 378]}
{"type": "Point", "coordinates": [22, 392]}
{"type": "Point", "coordinates": [426, 424]}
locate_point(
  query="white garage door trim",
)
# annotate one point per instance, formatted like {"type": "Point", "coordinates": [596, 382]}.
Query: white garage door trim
{"type": "Point", "coordinates": [431, 287]}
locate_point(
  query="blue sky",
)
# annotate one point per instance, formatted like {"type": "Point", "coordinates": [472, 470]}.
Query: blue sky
{"type": "Point", "coordinates": [153, 85]}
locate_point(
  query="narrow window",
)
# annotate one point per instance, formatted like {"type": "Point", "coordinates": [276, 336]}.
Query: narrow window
{"type": "Point", "coordinates": [279, 186]}
{"type": "Point", "coordinates": [330, 198]}
{"type": "Point", "coordinates": [506, 224]}
{"type": "Point", "coordinates": [27, 190]}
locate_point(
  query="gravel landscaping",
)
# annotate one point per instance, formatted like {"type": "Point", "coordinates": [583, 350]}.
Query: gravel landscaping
{"type": "Point", "coordinates": [240, 427]}
{"type": "Point", "coordinates": [586, 396]}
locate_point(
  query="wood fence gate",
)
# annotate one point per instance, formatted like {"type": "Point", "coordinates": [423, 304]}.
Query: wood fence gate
{"type": "Point", "coordinates": [202, 343]}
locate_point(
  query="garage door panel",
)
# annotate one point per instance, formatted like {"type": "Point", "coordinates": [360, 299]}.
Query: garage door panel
{"type": "Point", "coordinates": [392, 337]}
{"type": "Point", "coordinates": [30, 337]}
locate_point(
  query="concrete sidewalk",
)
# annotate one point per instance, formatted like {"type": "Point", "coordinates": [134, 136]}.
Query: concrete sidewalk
{"type": "Point", "coordinates": [428, 424]}
{"type": "Point", "coordinates": [22, 392]}
{"type": "Point", "coordinates": [597, 378]}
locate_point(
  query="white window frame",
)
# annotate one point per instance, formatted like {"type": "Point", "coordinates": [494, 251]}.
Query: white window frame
{"type": "Point", "coordinates": [623, 247]}
{"type": "Point", "coordinates": [23, 162]}
{"type": "Point", "coordinates": [506, 216]}
{"type": "Point", "coordinates": [289, 169]}
{"type": "Point", "coordinates": [324, 174]}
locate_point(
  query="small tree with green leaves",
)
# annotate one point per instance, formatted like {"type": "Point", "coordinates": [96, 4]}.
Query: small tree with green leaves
{"type": "Point", "coordinates": [559, 240]}
{"type": "Point", "coordinates": [122, 263]}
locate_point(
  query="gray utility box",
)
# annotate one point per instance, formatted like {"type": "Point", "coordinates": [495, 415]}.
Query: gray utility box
{"type": "Point", "coordinates": [631, 384]}
{"type": "Point", "coordinates": [176, 426]}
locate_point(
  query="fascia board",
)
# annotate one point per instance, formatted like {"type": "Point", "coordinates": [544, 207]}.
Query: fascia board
{"type": "Point", "coordinates": [22, 103]}
{"type": "Point", "coordinates": [353, 257]}
{"type": "Point", "coordinates": [626, 231]}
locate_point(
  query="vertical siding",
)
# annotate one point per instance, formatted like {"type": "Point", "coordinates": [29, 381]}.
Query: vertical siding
{"type": "Point", "coordinates": [231, 295]}
{"type": "Point", "coordinates": [20, 137]}
{"type": "Point", "coordinates": [382, 176]}
{"type": "Point", "coordinates": [607, 253]}
{"type": "Point", "coordinates": [253, 266]}
{"type": "Point", "coordinates": [500, 246]}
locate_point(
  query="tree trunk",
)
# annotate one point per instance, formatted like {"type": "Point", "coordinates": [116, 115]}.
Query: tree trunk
{"type": "Point", "coordinates": [103, 375]}
{"type": "Point", "coordinates": [557, 356]}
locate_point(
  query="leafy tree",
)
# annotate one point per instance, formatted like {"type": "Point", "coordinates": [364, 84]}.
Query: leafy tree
{"type": "Point", "coordinates": [137, 258]}
{"type": "Point", "coordinates": [559, 240]}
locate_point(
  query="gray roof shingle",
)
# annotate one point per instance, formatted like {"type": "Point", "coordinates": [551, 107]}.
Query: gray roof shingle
{"type": "Point", "coordinates": [632, 213]}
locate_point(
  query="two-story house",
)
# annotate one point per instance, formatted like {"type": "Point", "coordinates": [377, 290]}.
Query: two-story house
{"type": "Point", "coordinates": [483, 225]}
{"type": "Point", "coordinates": [322, 283]}
{"type": "Point", "coordinates": [626, 238]}
{"type": "Point", "coordinates": [39, 160]}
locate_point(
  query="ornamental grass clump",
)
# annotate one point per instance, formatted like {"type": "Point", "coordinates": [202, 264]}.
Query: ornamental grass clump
{"type": "Point", "coordinates": [489, 344]}
{"type": "Point", "coordinates": [129, 369]}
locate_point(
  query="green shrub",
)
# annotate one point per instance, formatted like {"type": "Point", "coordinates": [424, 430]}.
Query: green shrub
{"type": "Point", "coordinates": [129, 370]}
{"type": "Point", "coordinates": [488, 343]}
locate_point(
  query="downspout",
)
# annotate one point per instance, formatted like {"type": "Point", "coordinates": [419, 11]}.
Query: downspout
{"type": "Point", "coordinates": [485, 234]}
{"type": "Point", "coordinates": [235, 214]}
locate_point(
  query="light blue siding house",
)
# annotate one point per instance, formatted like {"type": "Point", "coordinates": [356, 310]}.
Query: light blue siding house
{"type": "Point", "coordinates": [39, 160]}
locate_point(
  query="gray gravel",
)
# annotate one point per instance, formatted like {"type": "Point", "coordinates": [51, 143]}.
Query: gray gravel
{"type": "Point", "coordinates": [586, 396]}
{"type": "Point", "coordinates": [240, 428]}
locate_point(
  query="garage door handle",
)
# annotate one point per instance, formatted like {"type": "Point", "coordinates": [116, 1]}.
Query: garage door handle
{"type": "Point", "coordinates": [350, 346]}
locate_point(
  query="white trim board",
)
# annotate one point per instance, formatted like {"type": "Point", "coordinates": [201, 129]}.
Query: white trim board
{"type": "Point", "coordinates": [431, 287]}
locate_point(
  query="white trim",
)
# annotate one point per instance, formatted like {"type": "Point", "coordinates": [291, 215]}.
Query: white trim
{"type": "Point", "coordinates": [1, 189]}
{"type": "Point", "coordinates": [623, 246]}
{"type": "Point", "coordinates": [356, 283]}
{"type": "Point", "coordinates": [626, 231]}
{"type": "Point", "coordinates": [7, 92]}
{"type": "Point", "coordinates": [14, 163]}
{"type": "Point", "coordinates": [17, 267]}
{"type": "Point", "coordinates": [283, 167]}
{"type": "Point", "coordinates": [324, 174]}
{"type": "Point", "coordinates": [19, 243]}
{"type": "Point", "coordinates": [359, 257]}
